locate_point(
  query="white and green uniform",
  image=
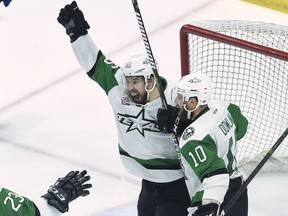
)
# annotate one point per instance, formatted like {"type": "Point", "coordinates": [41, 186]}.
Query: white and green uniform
{"type": "Point", "coordinates": [208, 148]}
{"type": "Point", "coordinates": [12, 204]}
{"type": "Point", "coordinates": [144, 150]}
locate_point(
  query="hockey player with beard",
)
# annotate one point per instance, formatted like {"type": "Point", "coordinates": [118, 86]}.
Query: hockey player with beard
{"type": "Point", "coordinates": [208, 132]}
{"type": "Point", "coordinates": [53, 203]}
{"type": "Point", "coordinates": [133, 94]}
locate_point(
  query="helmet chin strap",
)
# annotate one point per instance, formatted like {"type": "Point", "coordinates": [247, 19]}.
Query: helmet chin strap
{"type": "Point", "coordinates": [189, 112]}
{"type": "Point", "coordinates": [148, 91]}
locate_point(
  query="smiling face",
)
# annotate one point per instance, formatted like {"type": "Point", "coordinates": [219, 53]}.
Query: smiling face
{"type": "Point", "coordinates": [136, 88]}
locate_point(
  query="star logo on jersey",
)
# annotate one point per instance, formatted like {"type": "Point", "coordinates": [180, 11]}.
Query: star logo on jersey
{"type": "Point", "coordinates": [138, 123]}
{"type": "Point", "coordinates": [188, 132]}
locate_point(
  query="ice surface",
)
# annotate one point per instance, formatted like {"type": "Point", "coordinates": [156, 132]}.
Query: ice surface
{"type": "Point", "coordinates": [54, 119]}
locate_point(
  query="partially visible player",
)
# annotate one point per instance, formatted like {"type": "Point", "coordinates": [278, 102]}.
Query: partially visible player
{"type": "Point", "coordinates": [6, 2]}
{"type": "Point", "coordinates": [53, 203]}
{"type": "Point", "coordinates": [209, 131]}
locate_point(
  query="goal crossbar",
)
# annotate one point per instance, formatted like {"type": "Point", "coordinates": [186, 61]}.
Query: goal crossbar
{"type": "Point", "coordinates": [188, 28]}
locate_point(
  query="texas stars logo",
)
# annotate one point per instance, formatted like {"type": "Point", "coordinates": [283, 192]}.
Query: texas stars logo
{"type": "Point", "coordinates": [138, 123]}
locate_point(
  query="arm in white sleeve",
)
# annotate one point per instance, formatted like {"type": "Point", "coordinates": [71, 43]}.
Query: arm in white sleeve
{"type": "Point", "coordinates": [85, 51]}
{"type": "Point", "coordinates": [215, 188]}
{"type": "Point", "coordinates": [46, 209]}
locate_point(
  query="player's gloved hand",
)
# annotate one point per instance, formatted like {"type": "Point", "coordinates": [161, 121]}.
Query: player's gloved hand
{"type": "Point", "coordinates": [67, 189]}
{"type": "Point", "coordinates": [6, 2]}
{"type": "Point", "coordinates": [210, 209]}
{"type": "Point", "coordinates": [72, 18]}
{"type": "Point", "coordinates": [166, 118]}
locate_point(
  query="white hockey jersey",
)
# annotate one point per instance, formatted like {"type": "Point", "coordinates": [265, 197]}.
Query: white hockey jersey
{"type": "Point", "coordinates": [144, 150]}
{"type": "Point", "coordinates": [208, 150]}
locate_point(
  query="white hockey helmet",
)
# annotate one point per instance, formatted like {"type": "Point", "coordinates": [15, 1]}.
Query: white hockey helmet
{"type": "Point", "coordinates": [194, 85]}
{"type": "Point", "coordinates": [138, 65]}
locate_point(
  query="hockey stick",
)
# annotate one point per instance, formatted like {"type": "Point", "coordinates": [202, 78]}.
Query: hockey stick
{"type": "Point", "coordinates": [149, 52]}
{"type": "Point", "coordinates": [155, 71]}
{"type": "Point", "coordinates": [253, 174]}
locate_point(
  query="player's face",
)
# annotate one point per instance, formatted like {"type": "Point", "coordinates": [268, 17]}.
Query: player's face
{"type": "Point", "coordinates": [136, 88]}
{"type": "Point", "coordinates": [189, 105]}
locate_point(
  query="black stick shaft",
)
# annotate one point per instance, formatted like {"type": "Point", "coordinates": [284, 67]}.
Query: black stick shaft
{"type": "Point", "coordinates": [149, 52]}
{"type": "Point", "coordinates": [254, 172]}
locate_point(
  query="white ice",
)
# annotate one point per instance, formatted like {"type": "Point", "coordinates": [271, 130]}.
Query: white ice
{"type": "Point", "coordinates": [54, 119]}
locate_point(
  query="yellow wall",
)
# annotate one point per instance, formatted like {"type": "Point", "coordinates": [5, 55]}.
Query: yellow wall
{"type": "Point", "coordinates": [279, 5]}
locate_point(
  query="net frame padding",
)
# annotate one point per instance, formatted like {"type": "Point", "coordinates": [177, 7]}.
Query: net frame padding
{"type": "Point", "coordinates": [248, 65]}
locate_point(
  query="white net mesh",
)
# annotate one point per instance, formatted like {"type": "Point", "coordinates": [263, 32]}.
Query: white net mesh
{"type": "Point", "coordinates": [257, 82]}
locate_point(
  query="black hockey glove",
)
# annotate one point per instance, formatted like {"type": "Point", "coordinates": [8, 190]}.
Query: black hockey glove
{"type": "Point", "coordinates": [166, 118]}
{"type": "Point", "coordinates": [67, 189]}
{"type": "Point", "coordinates": [73, 20]}
{"type": "Point", "coordinates": [210, 209]}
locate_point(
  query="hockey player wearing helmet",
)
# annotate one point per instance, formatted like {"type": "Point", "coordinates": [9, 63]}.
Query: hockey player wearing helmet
{"type": "Point", "coordinates": [138, 80]}
{"type": "Point", "coordinates": [207, 146]}
{"type": "Point", "coordinates": [132, 91]}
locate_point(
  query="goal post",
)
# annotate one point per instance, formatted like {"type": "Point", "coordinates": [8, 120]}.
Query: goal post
{"type": "Point", "coordinates": [248, 64]}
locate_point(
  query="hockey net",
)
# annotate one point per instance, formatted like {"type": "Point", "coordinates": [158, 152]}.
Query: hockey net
{"type": "Point", "coordinates": [248, 64]}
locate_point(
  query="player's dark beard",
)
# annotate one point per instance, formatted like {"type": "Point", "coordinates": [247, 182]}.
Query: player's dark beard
{"type": "Point", "coordinates": [182, 122]}
{"type": "Point", "coordinates": [139, 102]}
{"type": "Point", "coordinates": [144, 98]}
{"type": "Point", "coordinates": [182, 115]}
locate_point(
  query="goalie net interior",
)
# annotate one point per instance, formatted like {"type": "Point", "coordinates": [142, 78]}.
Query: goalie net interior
{"type": "Point", "coordinates": [248, 64]}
